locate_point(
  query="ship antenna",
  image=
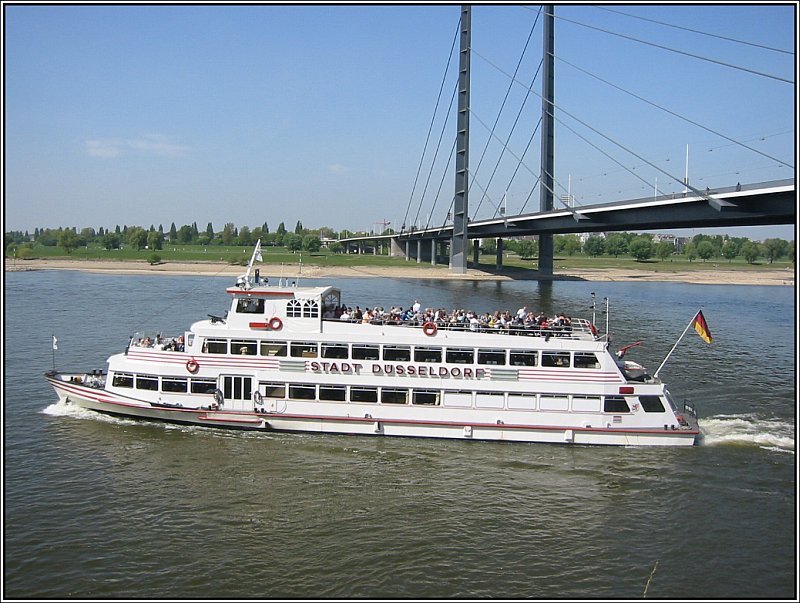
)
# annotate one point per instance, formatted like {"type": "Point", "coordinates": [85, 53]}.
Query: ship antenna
{"type": "Point", "coordinates": [256, 256]}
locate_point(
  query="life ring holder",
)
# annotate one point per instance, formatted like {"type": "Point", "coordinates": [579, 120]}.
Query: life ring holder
{"type": "Point", "coordinates": [275, 323]}
{"type": "Point", "coordinates": [192, 366]}
{"type": "Point", "coordinates": [429, 328]}
{"type": "Point", "coordinates": [257, 398]}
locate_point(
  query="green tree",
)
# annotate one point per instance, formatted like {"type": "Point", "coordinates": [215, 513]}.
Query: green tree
{"type": "Point", "coordinates": [137, 237]}
{"type": "Point", "coordinates": [69, 240]}
{"type": "Point", "coordinates": [527, 249]}
{"type": "Point", "coordinates": [298, 228]}
{"type": "Point", "coordinates": [690, 251]}
{"type": "Point", "coordinates": [750, 252]}
{"type": "Point", "coordinates": [775, 249]}
{"type": "Point", "coordinates": [594, 246]}
{"type": "Point", "coordinates": [210, 231]}
{"type": "Point", "coordinates": [705, 249]}
{"type": "Point", "coordinates": [228, 233]}
{"type": "Point", "coordinates": [185, 234]}
{"type": "Point", "coordinates": [336, 247]}
{"type": "Point", "coordinates": [155, 240]}
{"type": "Point", "coordinates": [111, 240]}
{"type": "Point", "coordinates": [245, 238]}
{"type": "Point", "coordinates": [616, 245]}
{"type": "Point", "coordinates": [641, 248]}
{"type": "Point", "coordinates": [730, 251]}
{"type": "Point", "coordinates": [664, 249]}
{"type": "Point", "coordinates": [312, 243]}
{"type": "Point", "coordinates": [173, 233]}
{"type": "Point", "coordinates": [293, 242]}
{"type": "Point", "coordinates": [281, 229]}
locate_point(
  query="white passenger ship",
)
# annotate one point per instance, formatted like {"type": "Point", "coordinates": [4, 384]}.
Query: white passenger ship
{"type": "Point", "coordinates": [275, 361]}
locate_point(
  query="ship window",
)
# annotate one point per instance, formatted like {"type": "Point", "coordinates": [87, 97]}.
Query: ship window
{"type": "Point", "coordinates": [651, 403]}
{"type": "Point", "coordinates": [336, 393]}
{"type": "Point", "coordinates": [122, 380]}
{"type": "Point", "coordinates": [363, 394]}
{"type": "Point", "coordinates": [485, 400]}
{"type": "Point", "coordinates": [560, 359]}
{"type": "Point", "coordinates": [426, 397]}
{"type": "Point", "coordinates": [522, 401]}
{"type": "Point", "coordinates": [517, 358]}
{"type": "Point", "coordinates": [494, 357]}
{"type": "Point", "coordinates": [615, 404]}
{"type": "Point", "coordinates": [586, 361]}
{"type": "Point", "coordinates": [460, 356]}
{"type": "Point", "coordinates": [173, 385]}
{"type": "Point", "coordinates": [273, 348]}
{"type": "Point", "coordinates": [397, 353]}
{"type": "Point", "coordinates": [274, 390]}
{"type": "Point", "coordinates": [304, 349]}
{"type": "Point", "coordinates": [245, 347]}
{"type": "Point", "coordinates": [586, 404]}
{"type": "Point", "coordinates": [249, 305]}
{"type": "Point", "coordinates": [394, 396]}
{"type": "Point", "coordinates": [553, 403]}
{"type": "Point", "coordinates": [334, 350]}
{"type": "Point", "coordinates": [302, 392]}
{"type": "Point", "coordinates": [460, 399]}
{"type": "Point", "coordinates": [427, 354]}
{"type": "Point", "coordinates": [147, 382]}
{"type": "Point", "coordinates": [294, 309]}
{"type": "Point", "coordinates": [215, 346]}
{"type": "Point", "coordinates": [365, 352]}
{"type": "Point", "coordinates": [310, 309]}
{"type": "Point", "coordinates": [203, 386]}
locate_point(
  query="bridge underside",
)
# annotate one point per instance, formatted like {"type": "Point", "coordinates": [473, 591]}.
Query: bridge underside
{"type": "Point", "coordinates": [754, 205]}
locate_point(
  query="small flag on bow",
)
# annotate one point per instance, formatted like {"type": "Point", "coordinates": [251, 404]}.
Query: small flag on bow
{"type": "Point", "coordinates": [700, 325]}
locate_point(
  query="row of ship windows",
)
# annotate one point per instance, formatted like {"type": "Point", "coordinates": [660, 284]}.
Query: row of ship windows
{"type": "Point", "coordinates": [295, 308]}
{"type": "Point", "coordinates": [400, 353]}
{"type": "Point", "coordinates": [393, 395]}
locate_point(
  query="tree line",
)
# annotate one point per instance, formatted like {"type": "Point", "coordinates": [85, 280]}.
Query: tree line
{"type": "Point", "coordinates": [640, 246]}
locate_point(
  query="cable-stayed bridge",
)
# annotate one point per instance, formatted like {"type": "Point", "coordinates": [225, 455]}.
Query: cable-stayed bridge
{"type": "Point", "coordinates": [735, 204]}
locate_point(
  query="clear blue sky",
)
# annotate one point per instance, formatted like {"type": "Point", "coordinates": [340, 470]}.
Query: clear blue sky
{"type": "Point", "coordinates": [140, 115]}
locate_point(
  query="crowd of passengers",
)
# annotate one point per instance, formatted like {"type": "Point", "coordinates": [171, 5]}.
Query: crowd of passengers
{"type": "Point", "coordinates": [158, 342]}
{"type": "Point", "coordinates": [456, 319]}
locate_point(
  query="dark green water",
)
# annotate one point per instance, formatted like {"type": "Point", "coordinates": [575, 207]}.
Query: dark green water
{"type": "Point", "coordinates": [97, 507]}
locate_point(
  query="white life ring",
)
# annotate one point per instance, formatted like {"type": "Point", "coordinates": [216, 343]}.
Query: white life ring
{"type": "Point", "coordinates": [275, 323]}
{"type": "Point", "coordinates": [192, 366]}
{"type": "Point", "coordinates": [429, 328]}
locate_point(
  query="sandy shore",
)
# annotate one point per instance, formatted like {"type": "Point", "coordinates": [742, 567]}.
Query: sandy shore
{"type": "Point", "coordinates": [716, 276]}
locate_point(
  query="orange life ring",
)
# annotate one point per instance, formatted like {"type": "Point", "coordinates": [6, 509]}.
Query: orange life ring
{"type": "Point", "coordinates": [192, 366]}
{"type": "Point", "coordinates": [275, 323]}
{"type": "Point", "coordinates": [429, 328]}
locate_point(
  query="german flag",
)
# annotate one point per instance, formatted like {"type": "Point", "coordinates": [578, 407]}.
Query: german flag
{"type": "Point", "coordinates": [699, 324]}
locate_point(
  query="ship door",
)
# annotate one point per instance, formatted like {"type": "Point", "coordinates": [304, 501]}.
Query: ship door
{"type": "Point", "coordinates": [237, 392]}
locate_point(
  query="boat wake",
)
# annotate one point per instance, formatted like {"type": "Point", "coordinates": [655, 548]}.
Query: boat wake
{"type": "Point", "coordinates": [748, 430]}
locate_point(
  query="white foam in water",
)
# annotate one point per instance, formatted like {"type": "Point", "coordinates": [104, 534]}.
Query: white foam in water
{"type": "Point", "coordinates": [769, 434]}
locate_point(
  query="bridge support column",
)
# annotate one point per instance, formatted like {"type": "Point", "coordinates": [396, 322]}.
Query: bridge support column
{"type": "Point", "coordinates": [476, 252]}
{"type": "Point", "coordinates": [547, 153]}
{"type": "Point", "coordinates": [408, 251]}
{"type": "Point", "coordinates": [419, 251]}
{"type": "Point", "coordinates": [499, 258]}
{"type": "Point", "coordinates": [434, 249]}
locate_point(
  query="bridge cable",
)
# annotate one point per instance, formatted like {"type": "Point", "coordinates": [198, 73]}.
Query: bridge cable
{"type": "Point", "coordinates": [433, 119]}
{"type": "Point", "coordinates": [503, 104]}
{"type": "Point", "coordinates": [697, 31]}
{"type": "Point", "coordinates": [436, 154]}
{"type": "Point", "coordinates": [675, 50]}
{"type": "Point", "coordinates": [510, 133]}
{"type": "Point", "coordinates": [686, 119]}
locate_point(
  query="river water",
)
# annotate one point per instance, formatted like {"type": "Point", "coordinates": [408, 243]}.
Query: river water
{"type": "Point", "coordinates": [99, 507]}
